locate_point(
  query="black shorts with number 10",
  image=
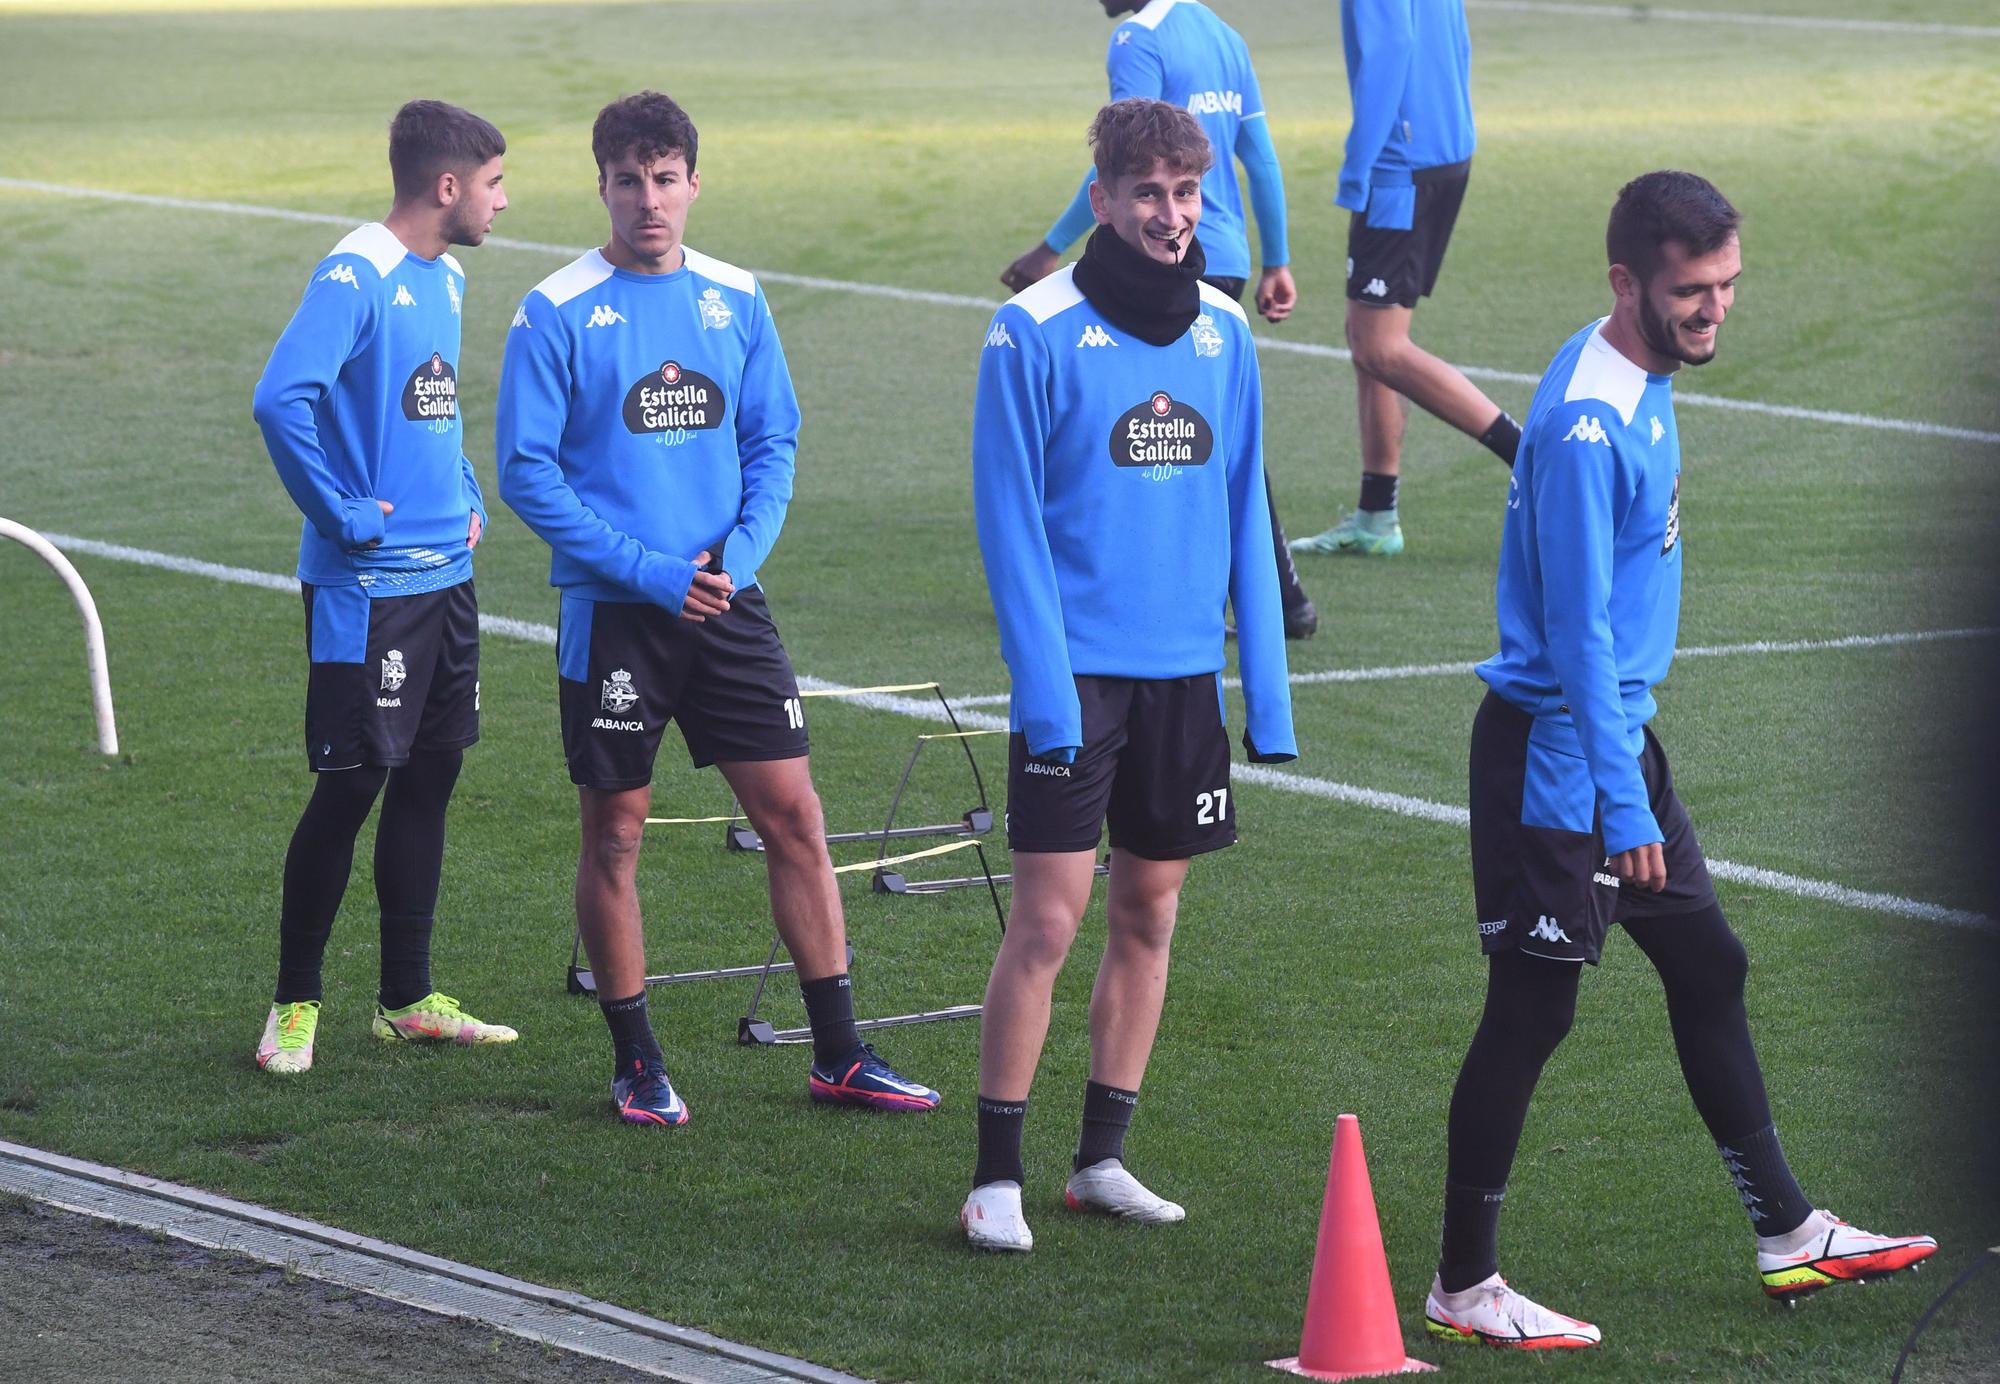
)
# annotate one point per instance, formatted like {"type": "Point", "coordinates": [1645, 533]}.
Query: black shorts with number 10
{"type": "Point", "coordinates": [625, 669]}
{"type": "Point", "coordinates": [1154, 762]}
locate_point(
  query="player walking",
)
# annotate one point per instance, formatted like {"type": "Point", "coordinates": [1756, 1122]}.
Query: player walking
{"type": "Point", "coordinates": [1574, 819]}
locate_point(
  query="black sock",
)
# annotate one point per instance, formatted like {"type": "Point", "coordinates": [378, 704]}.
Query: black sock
{"type": "Point", "coordinates": [1000, 1124]}
{"type": "Point", "coordinates": [830, 1012]}
{"type": "Point", "coordinates": [1502, 438]}
{"type": "Point", "coordinates": [1378, 492]}
{"type": "Point", "coordinates": [1107, 1114]}
{"type": "Point", "coordinates": [406, 960]}
{"type": "Point", "coordinates": [1764, 1181]}
{"type": "Point", "coordinates": [316, 869]}
{"type": "Point", "coordinates": [631, 1031]}
{"type": "Point", "coordinates": [1470, 1250]}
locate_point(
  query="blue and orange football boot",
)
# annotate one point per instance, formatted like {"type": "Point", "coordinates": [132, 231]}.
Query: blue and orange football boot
{"type": "Point", "coordinates": [862, 1078]}
{"type": "Point", "coordinates": [644, 1096]}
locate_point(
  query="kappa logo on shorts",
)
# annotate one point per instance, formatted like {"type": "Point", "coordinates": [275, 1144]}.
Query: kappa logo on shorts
{"type": "Point", "coordinates": [1376, 288]}
{"type": "Point", "coordinates": [393, 671]}
{"type": "Point", "coordinates": [619, 696]}
{"type": "Point", "coordinates": [1546, 929]}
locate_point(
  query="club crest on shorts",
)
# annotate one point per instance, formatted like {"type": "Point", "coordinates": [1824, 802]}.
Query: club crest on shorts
{"type": "Point", "coordinates": [393, 671]}
{"type": "Point", "coordinates": [715, 314]}
{"type": "Point", "coordinates": [619, 694]}
{"type": "Point", "coordinates": [1207, 340]}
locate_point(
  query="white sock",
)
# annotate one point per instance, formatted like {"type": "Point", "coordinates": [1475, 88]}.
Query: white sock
{"type": "Point", "coordinates": [1810, 1229]}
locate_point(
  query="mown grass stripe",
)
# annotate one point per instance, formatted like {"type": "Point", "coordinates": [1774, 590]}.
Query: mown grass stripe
{"type": "Point", "coordinates": [961, 300]}
{"type": "Point", "coordinates": [926, 709]}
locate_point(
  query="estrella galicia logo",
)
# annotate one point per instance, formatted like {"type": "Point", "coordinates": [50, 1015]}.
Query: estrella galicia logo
{"type": "Point", "coordinates": [1673, 518]}
{"type": "Point", "coordinates": [1162, 431]}
{"type": "Point", "coordinates": [673, 399]}
{"type": "Point", "coordinates": [431, 396]}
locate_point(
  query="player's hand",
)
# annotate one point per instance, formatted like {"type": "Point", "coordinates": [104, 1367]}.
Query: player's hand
{"type": "Point", "coordinates": [708, 594]}
{"type": "Point", "coordinates": [1277, 295]}
{"type": "Point", "coordinates": [1644, 867]}
{"type": "Point", "coordinates": [387, 510]}
{"type": "Point", "coordinates": [473, 531]}
{"type": "Point", "coordinates": [1032, 267]}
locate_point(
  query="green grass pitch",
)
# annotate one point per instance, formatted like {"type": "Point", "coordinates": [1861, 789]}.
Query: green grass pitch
{"type": "Point", "coordinates": [1326, 964]}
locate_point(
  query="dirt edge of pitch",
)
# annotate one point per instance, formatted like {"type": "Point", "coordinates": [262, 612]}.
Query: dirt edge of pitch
{"type": "Point", "coordinates": [566, 1320]}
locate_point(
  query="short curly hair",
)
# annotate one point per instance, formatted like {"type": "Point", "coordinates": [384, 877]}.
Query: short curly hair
{"type": "Point", "coordinates": [647, 126]}
{"type": "Point", "coordinates": [1130, 136]}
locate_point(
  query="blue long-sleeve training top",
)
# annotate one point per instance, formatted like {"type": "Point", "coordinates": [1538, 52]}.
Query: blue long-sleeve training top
{"type": "Point", "coordinates": [359, 403]}
{"type": "Point", "coordinates": [1119, 494]}
{"type": "Point", "coordinates": [1409, 79]}
{"type": "Point", "coordinates": [644, 418]}
{"type": "Point", "coordinates": [1179, 51]}
{"type": "Point", "coordinates": [1589, 589]}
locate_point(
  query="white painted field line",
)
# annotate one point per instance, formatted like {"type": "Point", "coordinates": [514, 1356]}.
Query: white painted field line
{"type": "Point", "coordinates": [962, 300]}
{"type": "Point", "coordinates": [1392, 672]}
{"type": "Point", "coordinates": [1780, 21]}
{"type": "Point", "coordinates": [926, 709]}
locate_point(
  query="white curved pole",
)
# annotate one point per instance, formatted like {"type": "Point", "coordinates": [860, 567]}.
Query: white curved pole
{"type": "Point", "coordinates": [93, 628]}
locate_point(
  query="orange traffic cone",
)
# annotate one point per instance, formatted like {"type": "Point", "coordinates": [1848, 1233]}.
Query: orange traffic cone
{"type": "Point", "coordinates": [1351, 1330]}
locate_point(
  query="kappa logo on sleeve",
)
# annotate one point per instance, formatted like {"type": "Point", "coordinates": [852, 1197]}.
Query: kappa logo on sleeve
{"type": "Point", "coordinates": [999, 336]}
{"type": "Point", "coordinates": [1587, 429]}
{"type": "Point", "coordinates": [342, 274]}
{"type": "Point", "coordinates": [521, 319]}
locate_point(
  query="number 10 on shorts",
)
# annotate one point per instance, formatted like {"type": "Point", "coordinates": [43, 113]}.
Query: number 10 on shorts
{"type": "Point", "coordinates": [795, 713]}
{"type": "Point", "coordinates": [1210, 808]}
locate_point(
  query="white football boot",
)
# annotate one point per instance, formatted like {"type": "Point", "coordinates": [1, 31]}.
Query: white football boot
{"type": "Point", "coordinates": [1493, 1314]}
{"type": "Point", "coordinates": [992, 1218]}
{"type": "Point", "coordinates": [1106, 1187]}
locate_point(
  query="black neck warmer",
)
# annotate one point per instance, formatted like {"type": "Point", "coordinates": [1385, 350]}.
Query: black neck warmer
{"type": "Point", "coordinates": [1153, 301]}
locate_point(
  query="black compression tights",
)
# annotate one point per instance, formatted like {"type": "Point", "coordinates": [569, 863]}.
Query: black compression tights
{"type": "Point", "coordinates": [409, 853]}
{"type": "Point", "coordinates": [1530, 1003]}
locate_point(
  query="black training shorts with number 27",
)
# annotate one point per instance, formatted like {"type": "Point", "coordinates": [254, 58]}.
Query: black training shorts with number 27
{"type": "Point", "coordinates": [1154, 763]}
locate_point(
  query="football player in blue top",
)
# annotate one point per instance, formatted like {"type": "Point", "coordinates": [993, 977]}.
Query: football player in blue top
{"type": "Point", "coordinates": [1403, 177]}
{"type": "Point", "coordinates": [359, 409]}
{"type": "Point", "coordinates": [647, 431]}
{"type": "Point", "coordinates": [1575, 824]}
{"type": "Point", "coordinates": [1117, 462]}
{"type": "Point", "coordinates": [1180, 51]}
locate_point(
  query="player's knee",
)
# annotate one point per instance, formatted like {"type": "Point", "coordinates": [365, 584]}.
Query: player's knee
{"type": "Point", "coordinates": [348, 794]}
{"type": "Point", "coordinates": [1038, 940]}
{"type": "Point", "coordinates": [1376, 354]}
{"type": "Point", "coordinates": [612, 841]}
{"type": "Point", "coordinates": [1145, 928]}
{"type": "Point", "coordinates": [794, 826]}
